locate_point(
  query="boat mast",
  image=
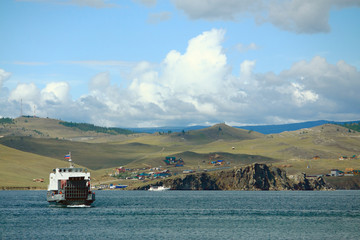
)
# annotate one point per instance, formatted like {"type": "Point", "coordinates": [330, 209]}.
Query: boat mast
{"type": "Point", "coordinates": [70, 161]}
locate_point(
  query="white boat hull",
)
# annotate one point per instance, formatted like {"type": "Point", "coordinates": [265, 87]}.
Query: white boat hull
{"type": "Point", "coordinates": [158, 188]}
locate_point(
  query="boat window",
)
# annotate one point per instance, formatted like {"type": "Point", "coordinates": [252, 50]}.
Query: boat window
{"type": "Point", "coordinates": [70, 170]}
{"type": "Point", "coordinates": [59, 170]}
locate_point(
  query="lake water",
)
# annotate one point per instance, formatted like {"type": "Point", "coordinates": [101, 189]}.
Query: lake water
{"type": "Point", "coordinates": [185, 215]}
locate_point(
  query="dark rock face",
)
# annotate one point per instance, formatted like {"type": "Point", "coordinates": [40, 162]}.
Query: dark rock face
{"type": "Point", "coordinates": [201, 181]}
{"type": "Point", "coordinates": [302, 183]}
{"type": "Point", "coordinates": [253, 177]}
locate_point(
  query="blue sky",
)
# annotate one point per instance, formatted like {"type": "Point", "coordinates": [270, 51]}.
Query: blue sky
{"type": "Point", "coordinates": [181, 62]}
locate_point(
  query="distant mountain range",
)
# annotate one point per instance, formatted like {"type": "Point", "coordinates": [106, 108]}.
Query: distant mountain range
{"type": "Point", "coordinates": [264, 129]}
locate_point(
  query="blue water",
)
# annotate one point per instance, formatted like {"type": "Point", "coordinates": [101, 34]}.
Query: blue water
{"type": "Point", "coordinates": [185, 215]}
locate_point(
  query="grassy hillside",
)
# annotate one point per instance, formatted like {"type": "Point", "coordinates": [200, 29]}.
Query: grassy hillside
{"type": "Point", "coordinates": [52, 128]}
{"type": "Point", "coordinates": [97, 151]}
{"type": "Point", "coordinates": [92, 128]}
{"type": "Point", "coordinates": [297, 149]}
{"type": "Point", "coordinates": [217, 132]}
{"type": "Point", "coordinates": [18, 169]}
{"type": "Point", "coordinates": [93, 156]}
{"type": "Point", "coordinates": [355, 126]}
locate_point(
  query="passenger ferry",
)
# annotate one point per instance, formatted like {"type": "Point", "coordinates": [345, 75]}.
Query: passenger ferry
{"type": "Point", "coordinates": [70, 186]}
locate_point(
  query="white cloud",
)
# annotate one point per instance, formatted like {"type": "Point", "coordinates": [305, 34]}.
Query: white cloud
{"type": "Point", "coordinates": [100, 82]}
{"type": "Point", "coordinates": [333, 83]}
{"type": "Point", "coordinates": [53, 99]}
{"type": "Point", "coordinates": [301, 16]}
{"type": "Point", "coordinates": [301, 96]}
{"type": "Point", "coordinates": [3, 77]}
{"type": "Point", "coordinates": [200, 69]}
{"type": "Point", "coordinates": [198, 87]}
{"type": "Point", "coordinates": [26, 92]}
{"type": "Point", "coordinates": [55, 93]}
{"type": "Point", "coordinates": [246, 68]}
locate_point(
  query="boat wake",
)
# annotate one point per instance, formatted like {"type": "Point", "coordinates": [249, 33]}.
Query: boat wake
{"type": "Point", "coordinates": [78, 206]}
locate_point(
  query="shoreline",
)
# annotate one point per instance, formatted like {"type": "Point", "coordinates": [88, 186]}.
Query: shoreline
{"type": "Point", "coordinates": [7, 188]}
{"type": "Point", "coordinates": [334, 183]}
{"type": "Point", "coordinates": [43, 189]}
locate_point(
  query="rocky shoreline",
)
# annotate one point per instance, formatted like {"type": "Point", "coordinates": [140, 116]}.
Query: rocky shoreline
{"type": "Point", "coordinates": [255, 177]}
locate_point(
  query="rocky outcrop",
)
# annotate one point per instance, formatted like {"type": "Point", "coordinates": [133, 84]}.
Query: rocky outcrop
{"type": "Point", "coordinates": [252, 177]}
{"type": "Point", "coordinates": [301, 182]}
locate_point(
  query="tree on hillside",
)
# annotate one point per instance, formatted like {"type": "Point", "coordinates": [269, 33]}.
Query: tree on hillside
{"type": "Point", "coordinates": [7, 121]}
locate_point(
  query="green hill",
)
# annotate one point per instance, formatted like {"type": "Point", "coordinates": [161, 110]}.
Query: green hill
{"type": "Point", "coordinates": [18, 169]}
{"type": "Point", "coordinates": [296, 150]}
{"type": "Point", "coordinates": [52, 128]}
{"type": "Point", "coordinates": [91, 155]}
{"type": "Point", "coordinates": [217, 132]}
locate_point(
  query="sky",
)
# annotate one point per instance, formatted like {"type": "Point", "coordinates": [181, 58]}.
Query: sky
{"type": "Point", "coordinates": [152, 63]}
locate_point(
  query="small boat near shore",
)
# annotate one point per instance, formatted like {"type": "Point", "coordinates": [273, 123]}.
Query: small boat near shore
{"type": "Point", "coordinates": [70, 186]}
{"type": "Point", "coordinates": [158, 188]}
{"type": "Point", "coordinates": [119, 186]}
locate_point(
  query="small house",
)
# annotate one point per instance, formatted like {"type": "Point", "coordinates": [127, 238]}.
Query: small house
{"type": "Point", "coordinates": [120, 170]}
{"type": "Point", "coordinates": [335, 173]}
{"type": "Point", "coordinates": [349, 172]}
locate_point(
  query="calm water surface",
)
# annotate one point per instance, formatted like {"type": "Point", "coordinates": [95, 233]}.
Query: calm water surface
{"type": "Point", "coordinates": [184, 215]}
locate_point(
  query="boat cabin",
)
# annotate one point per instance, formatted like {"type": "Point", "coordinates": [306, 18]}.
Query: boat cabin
{"type": "Point", "coordinates": [63, 176]}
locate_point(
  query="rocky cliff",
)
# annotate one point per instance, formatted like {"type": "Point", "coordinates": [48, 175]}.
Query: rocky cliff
{"type": "Point", "coordinates": [252, 177]}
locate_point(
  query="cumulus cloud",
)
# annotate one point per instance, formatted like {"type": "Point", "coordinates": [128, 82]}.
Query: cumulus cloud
{"type": "Point", "coordinates": [336, 84]}
{"type": "Point", "coordinates": [301, 16]}
{"type": "Point", "coordinates": [53, 99]}
{"type": "Point", "coordinates": [3, 77]}
{"type": "Point", "coordinates": [27, 92]}
{"type": "Point", "coordinates": [199, 83]}
{"type": "Point", "coordinates": [55, 93]}
{"type": "Point", "coordinates": [100, 82]}
{"type": "Point", "coordinates": [246, 68]}
{"type": "Point", "coordinates": [301, 96]}
{"type": "Point", "coordinates": [198, 86]}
